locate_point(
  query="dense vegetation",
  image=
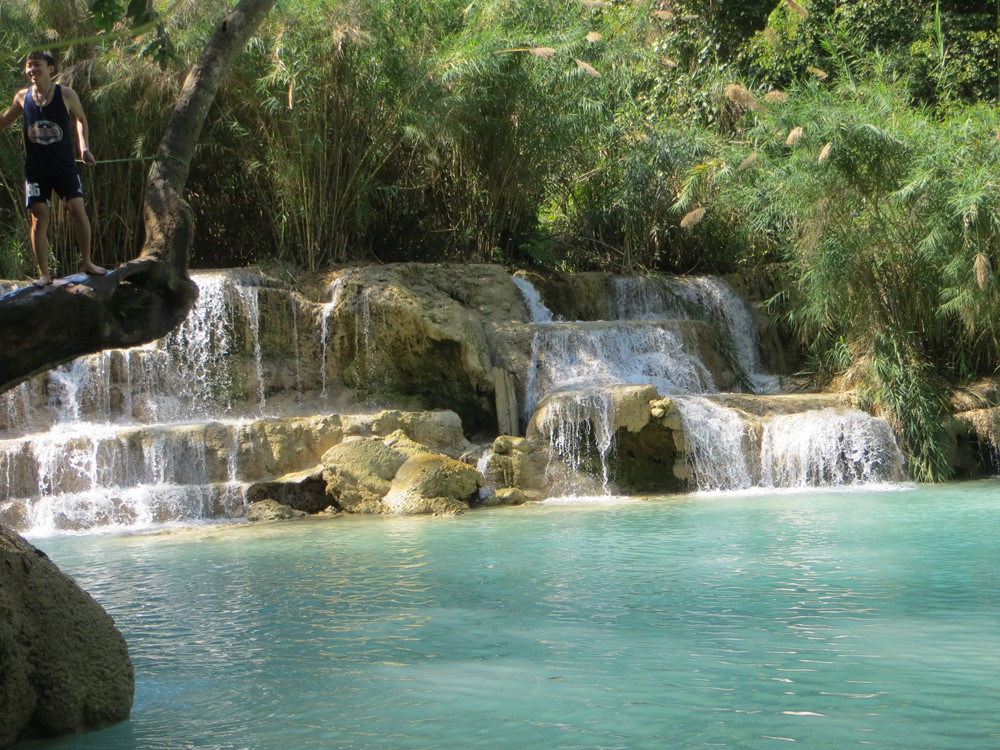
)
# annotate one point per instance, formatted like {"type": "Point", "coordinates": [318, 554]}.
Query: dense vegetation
{"type": "Point", "coordinates": [852, 147]}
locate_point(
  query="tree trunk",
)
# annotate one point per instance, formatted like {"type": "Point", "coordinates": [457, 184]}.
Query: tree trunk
{"type": "Point", "coordinates": [144, 299]}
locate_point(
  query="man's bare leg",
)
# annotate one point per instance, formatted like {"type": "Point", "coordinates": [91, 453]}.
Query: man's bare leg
{"type": "Point", "coordinates": [40, 241]}
{"type": "Point", "coordinates": [81, 228]}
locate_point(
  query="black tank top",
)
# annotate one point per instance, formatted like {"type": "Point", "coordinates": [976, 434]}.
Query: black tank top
{"type": "Point", "coordinates": [48, 143]}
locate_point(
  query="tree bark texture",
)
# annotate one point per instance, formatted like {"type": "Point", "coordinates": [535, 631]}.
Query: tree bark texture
{"type": "Point", "coordinates": [146, 298]}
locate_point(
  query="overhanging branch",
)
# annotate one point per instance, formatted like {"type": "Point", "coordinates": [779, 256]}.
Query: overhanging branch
{"type": "Point", "coordinates": [146, 298]}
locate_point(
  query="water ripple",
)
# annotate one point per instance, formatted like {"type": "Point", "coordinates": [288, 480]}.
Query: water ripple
{"type": "Point", "coordinates": [827, 619]}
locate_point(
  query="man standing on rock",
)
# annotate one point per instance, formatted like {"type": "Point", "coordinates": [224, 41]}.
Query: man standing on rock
{"type": "Point", "coordinates": [46, 108]}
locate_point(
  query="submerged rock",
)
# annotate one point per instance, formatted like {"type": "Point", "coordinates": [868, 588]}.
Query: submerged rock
{"type": "Point", "coordinates": [511, 496]}
{"type": "Point", "coordinates": [272, 510]}
{"type": "Point", "coordinates": [64, 667]}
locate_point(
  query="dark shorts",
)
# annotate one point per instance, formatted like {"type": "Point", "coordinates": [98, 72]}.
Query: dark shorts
{"type": "Point", "coordinates": [39, 190]}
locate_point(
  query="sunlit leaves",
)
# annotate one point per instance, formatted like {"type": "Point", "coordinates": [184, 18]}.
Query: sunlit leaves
{"type": "Point", "coordinates": [107, 14]}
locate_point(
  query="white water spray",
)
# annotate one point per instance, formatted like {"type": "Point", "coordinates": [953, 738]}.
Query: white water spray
{"type": "Point", "coordinates": [249, 296]}
{"type": "Point", "coordinates": [829, 447]}
{"type": "Point", "coordinates": [537, 311]}
{"type": "Point", "coordinates": [580, 428]}
{"type": "Point", "coordinates": [720, 445]}
{"type": "Point", "coordinates": [574, 356]}
{"type": "Point", "coordinates": [645, 298]}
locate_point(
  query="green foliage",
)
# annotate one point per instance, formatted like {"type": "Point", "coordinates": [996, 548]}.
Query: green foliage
{"type": "Point", "coordinates": [946, 50]}
{"type": "Point", "coordinates": [902, 384]}
{"type": "Point", "coordinates": [546, 132]}
{"type": "Point", "coordinates": [403, 130]}
{"type": "Point", "coordinates": [888, 218]}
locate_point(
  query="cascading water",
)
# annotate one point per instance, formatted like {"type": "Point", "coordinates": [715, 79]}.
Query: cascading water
{"type": "Point", "coordinates": [695, 297]}
{"type": "Point", "coordinates": [728, 312]}
{"type": "Point", "coordinates": [107, 443]}
{"type": "Point", "coordinates": [596, 355]}
{"type": "Point", "coordinates": [643, 344]}
{"type": "Point", "coordinates": [152, 435]}
{"type": "Point", "coordinates": [647, 298]}
{"type": "Point", "coordinates": [723, 447]}
{"type": "Point", "coordinates": [250, 298]}
{"type": "Point", "coordinates": [201, 350]}
{"type": "Point", "coordinates": [364, 340]}
{"type": "Point", "coordinates": [580, 427]}
{"type": "Point", "coordinates": [828, 447]}
{"type": "Point", "coordinates": [326, 310]}
{"type": "Point", "coordinates": [90, 475]}
{"type": "Point", "coordinates": [537, 311]}
{"type": "Point", "coordinates": [720, 444]}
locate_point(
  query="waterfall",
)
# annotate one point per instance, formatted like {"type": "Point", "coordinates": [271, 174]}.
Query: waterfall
{"type": "Point", "coordinates": [719, 444]}
{"type": "Point", "coordinates": [364, 340]}
{"type": "Point", "coordinates": [325, 312]}
{"type": "Point", "coordinates": [102, 475]}
{"type": "Point", "coordinates": [203, 348]}
{"type": "Point", "coordinates": [644, 343]}
{"type": "Point", "coordinates": [694, 297]}
{"type": "Point", "coordinates": [815, 448]}
{"type": "Point", "coordinates": [828, 447]}
{"type": "Point", "coordinates": [15, 408]}
{"type": "Point", "coordinates": [537, 311]}
{"type": "Point", "coordinates": [295, 345]}
{"type": "Point", "coordinates": [192, 373]}
{"type": "Point", "coordinates": [580, 427]}
{"type": "Point", "coordinates": [250, 299]}
{"type": "Point", "coordinates": [103, 441]}
{"type": "Point", "coordinates": [565, 356]}
{"type": "Point", "coordinates": [162, 433]}
{"type": "Point", "coordinates": [646, 298]}
{"type": "Point", "coordinates": [727, 310]}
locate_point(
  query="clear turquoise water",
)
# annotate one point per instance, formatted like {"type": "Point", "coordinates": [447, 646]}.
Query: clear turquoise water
{"type": "Point", "coordinates": [834, 619]}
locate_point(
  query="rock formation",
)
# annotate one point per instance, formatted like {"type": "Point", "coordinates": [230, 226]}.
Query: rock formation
{"type": "Point", "coordinates": [424, 330]}
{"type": "Point", "coordinates": [396, 475]}
{"type": "Point", "coordinates": [64, 667]}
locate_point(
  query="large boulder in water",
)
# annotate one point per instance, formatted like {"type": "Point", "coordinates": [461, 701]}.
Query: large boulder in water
{"type": "Point", "coordinates": [64, 667]}
{"type": "Point", "coordinates": [432, 483]}
{"type": "Point", "coordinates": [396, 475]}
{"type": "Point", "coordinates": [359, 472]}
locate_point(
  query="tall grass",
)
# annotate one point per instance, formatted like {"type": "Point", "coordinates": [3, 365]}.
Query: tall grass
{"type": "Point", "coordinates": [398, 129]}
{"type": "Point", "coordinates": [887, 215]}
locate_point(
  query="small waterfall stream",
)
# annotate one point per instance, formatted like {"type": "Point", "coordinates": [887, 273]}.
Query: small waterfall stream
{"type": "Point", "coordinates": [537, 310]}
{"type": "Point", "coordinates": [828, 447]}
{"type": "Point", "coordinates": [569, 356]}
{"type": "Point", "coordinates": [720, 444]}
{"type": "Point", "coordinates": [577, 427]}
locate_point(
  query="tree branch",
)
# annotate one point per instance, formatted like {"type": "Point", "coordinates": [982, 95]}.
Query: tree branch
{"type": "Point", "coordinates": [146, 298]}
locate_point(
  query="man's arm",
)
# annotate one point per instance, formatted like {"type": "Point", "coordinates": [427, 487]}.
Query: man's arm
{"type": "Point", "coordinates": [15, 110]}
{"type": "Point", "coordinates": [73, 106]}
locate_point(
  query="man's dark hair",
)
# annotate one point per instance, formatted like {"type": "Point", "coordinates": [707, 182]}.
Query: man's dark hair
{"type": "Point", "coordinates": [49, 58]}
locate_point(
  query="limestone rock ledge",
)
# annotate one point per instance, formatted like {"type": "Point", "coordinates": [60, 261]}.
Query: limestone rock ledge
{"type": "Point", "coordinates": [396, 475]}
{"type": "Point", "coordinates": [64, 667]}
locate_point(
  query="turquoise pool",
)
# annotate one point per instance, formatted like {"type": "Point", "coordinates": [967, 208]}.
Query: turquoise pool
{"type": "Point", "coordinates": [828, 619]}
